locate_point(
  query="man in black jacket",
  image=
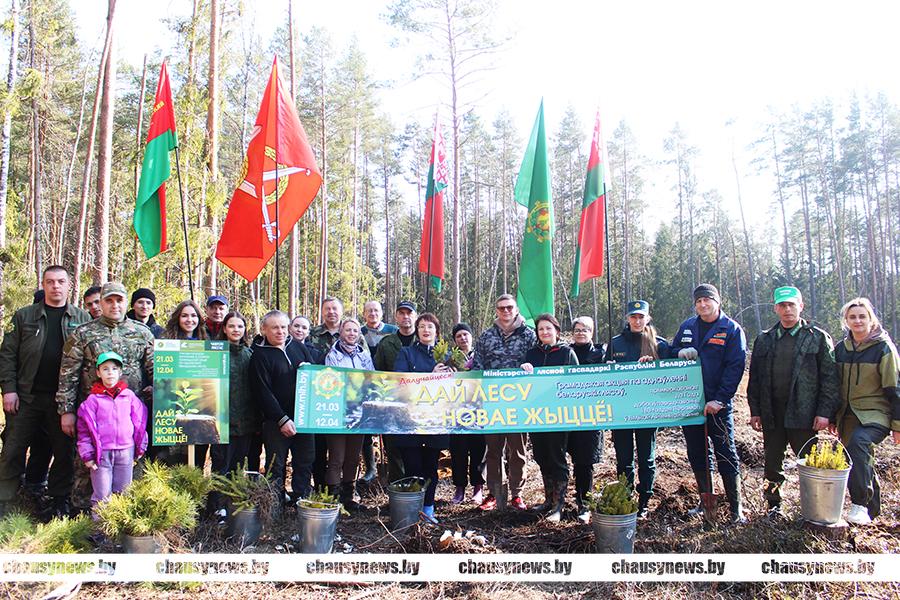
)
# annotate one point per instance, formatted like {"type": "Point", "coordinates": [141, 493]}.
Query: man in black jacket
{"type": "Point", "coordinates": [273, 380]}
{"type": "Point", "coordinates": [29, 375]}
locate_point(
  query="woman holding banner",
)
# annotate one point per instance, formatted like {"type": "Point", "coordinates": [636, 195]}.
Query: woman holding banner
{"type": "Point", "coordinates": [183, 324]}
{"type": "Point", "coordinates": [550, 446]}
{"type": "Point", "coordinates": [344, 449]}
{"type": "Point", "coordinates": [585, 445]}
{"type": "Point", "coordinates": [638, 342]}
{"type": "Point", "coordinates": [421, 452]}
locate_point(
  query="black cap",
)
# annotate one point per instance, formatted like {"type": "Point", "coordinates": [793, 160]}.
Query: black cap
{"type": "Point", "coordinates": [461, 327]}
{"type": "Point", "coordinates": [143, 293]}
{"type": "Point", "coordinates": [707, 290]}
{"type": "Point", "coordinates": [407, 305]}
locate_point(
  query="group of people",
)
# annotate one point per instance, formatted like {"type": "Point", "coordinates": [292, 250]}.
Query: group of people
{"type": "Point", "coordinates": [80, 384]}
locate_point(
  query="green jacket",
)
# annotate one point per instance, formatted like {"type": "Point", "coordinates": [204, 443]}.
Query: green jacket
{"type": "Point", "coordinates": [78, 371]}
{"type": "Point", "coordinates": [814, 380]}
{"type": "Point", "coordinates": [387, 351]}
{"type": "Point", "coordinates": [20, 353]}
{"type": "Point", "coordinates": [244, 417]}
{"type": "Point", "coordinates": [869, 380]}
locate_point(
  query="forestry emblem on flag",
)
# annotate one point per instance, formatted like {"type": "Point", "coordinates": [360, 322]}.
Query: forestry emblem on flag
{"type": "Point", "coordinates": [538, 221]}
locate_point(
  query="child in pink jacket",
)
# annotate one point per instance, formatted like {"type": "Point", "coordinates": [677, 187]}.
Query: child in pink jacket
{"type": "Point", "coordinates": [112, 429]}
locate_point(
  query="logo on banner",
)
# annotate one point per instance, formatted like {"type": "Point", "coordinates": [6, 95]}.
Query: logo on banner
{"type": "Point", "coordinates": [328, 384]}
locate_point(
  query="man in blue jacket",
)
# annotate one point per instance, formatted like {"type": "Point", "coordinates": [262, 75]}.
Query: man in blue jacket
{"type": "Point", "coordinates": [721, 346]}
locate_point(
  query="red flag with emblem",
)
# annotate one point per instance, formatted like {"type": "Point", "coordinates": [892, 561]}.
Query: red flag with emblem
{"type": "Point", "coordinates": [279, 163]}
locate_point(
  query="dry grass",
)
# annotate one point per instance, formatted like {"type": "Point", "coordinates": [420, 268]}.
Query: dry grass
{"type": "Point", "coordinates": [666, 531]}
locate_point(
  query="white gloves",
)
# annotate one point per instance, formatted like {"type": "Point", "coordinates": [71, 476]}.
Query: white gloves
{"type": "Point", "coordinates": [688, 353]}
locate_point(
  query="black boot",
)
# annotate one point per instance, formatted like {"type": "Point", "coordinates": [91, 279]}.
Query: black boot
{"type": "Point", "coordinates": [548, 503]}
{"type": "Point", "coordinates": [703, 487]}
{"type": "Point", "coordinates": [732, 484]}
{"type": "Point", "coordinates": [368, 452]}
{"type": "Point", "coordinates": [559, 500]}
{"type": "Point", "coordinates": [60, 507]}
{"type": "Point", "coordinates": [346, 497]}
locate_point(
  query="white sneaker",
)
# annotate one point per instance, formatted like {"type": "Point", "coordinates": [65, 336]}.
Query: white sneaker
{"type": "Point", "coordinates": [858, 515]}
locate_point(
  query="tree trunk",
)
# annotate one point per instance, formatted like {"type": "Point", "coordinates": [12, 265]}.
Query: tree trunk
{"type": "Point", "coordinates": [88, 164]}
{"type": "Point", "coordinates": [104, 159]}
{"type": "Point", "coordinates": [212, 142]}
{"type": "Point", "coordinates": [36, 160]}
{"type": "Point", "coordinates": [7, 127]}
{"type": "Point", "coordinates": [755, 298]}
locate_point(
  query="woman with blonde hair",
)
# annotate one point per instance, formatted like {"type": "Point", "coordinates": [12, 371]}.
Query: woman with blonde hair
{"type": "Point", "coordinates": [867, 364]}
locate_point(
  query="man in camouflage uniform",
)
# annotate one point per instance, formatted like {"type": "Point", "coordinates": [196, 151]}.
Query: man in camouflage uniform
{"type": "Point", "coordinates": [29, 366]}
{"type": "Point", "coordinates": [111, 332]}
{"type": "Point", "coordinates": [503, 346]}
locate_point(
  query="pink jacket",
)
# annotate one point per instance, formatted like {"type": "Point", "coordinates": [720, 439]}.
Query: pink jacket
{"type": "Point", "coordinates": [107, 423]}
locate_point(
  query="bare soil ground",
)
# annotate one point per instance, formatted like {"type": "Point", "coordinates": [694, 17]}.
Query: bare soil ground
{"type": "Point", "coordinates": [667, 530]}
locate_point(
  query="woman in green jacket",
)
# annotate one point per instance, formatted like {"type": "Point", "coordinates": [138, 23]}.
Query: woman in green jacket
{"type": "Point", "coordinates": [867, 363]}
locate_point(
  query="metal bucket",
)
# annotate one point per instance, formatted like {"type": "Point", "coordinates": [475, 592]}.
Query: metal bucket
{"type": "Point", "coordinates": [614, 534]}
{"type": "Point", "coordinates": [822, 493]}
{"type": "Point", "coordinates": [405, 506]}
{"type": "Point", "coordinates": [822, 490]}
{"type": "Point", "coordinates": [140, 544]}
{"type": "Point", "coordinates": [244, 526]}
{"type": "Point", "coordinates": [317, 527]}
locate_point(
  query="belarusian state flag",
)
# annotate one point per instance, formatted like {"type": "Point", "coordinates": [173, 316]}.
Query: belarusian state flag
{"type": "Point", "coordinates": [591, 232]}
{"type": "Point", "coordinates": [535, 292]}
{"type": "Point", "coordinates": [279, 164]}
{"type": "Point", "coordinates": [431, 257]}
{"type": "Point", "coordinates": [150, 206]}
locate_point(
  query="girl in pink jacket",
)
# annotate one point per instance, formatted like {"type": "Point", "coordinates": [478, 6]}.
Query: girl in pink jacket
{"type": "Point", "coordinates": [112, 429]}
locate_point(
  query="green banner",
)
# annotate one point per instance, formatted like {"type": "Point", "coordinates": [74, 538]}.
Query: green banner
{"type": "Point", "coordinates": [190, 392]}
{"type": "Point", "coordinates": [609, 396]}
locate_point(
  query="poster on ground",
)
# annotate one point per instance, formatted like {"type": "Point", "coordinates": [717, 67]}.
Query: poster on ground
{"type": "Point", "coordinates": [190, 392]}
{"type": "Point", "coordinates": [665, 393]}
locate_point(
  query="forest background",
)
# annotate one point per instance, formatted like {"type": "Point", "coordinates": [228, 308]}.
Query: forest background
{"type": "Point", "coordinates": [798, 189]}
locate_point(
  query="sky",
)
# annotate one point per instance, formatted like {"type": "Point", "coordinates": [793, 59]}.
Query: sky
{"type": "Point", "coordinates": [701, 64]}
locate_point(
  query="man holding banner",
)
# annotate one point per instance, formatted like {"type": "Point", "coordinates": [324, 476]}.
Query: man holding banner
{"type": "Point", "coordinates": [503, 346]}
{"type": "Point", "coordinates": [273, 381]}
{"type": "Point", "coordinates": [719, 342]}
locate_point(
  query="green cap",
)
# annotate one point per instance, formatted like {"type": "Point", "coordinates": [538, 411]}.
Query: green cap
{"type": "Point", "coordinates": [787, 293]}
{"type": "Point", "coordinates": [109, 356]}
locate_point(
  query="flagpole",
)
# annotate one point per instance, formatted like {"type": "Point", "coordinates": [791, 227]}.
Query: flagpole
{"type": "Point", "coordinates": [277, 214]}
{"type": "Point", "coordinates": [187, 248]}
{"type": "Point", "coordinates": [608, 269]}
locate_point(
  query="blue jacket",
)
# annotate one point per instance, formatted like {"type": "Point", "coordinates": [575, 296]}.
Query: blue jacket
{"type": "Point", "coordinates": [626, 347]}
{"type": "Point", "coordinates": [415, 358]}
{"type": "Point", "coordinates": [418, 358]}
{"type": "Point", "coordinates": [723, 354]}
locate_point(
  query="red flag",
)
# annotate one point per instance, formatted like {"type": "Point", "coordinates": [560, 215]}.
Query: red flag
{"type": "Point", "coordinates": [431, 256]}
{"type": "Point", "coordinates": [278, 153]}
{"type": "Point", "coordinates": [591, 233]}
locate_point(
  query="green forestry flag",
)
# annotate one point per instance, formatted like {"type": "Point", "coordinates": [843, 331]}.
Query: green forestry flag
{"type": "Point", "coordinates": [535, 291]}
{"type": "Point", "coordinates": [150, 207]}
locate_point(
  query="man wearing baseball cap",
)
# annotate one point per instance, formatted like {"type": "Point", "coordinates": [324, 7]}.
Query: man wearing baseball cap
{"type": "Point", "coordinates": [112, 331]}
{"type": "Point", "coordinates": [793, 388]}
{"type": "Point", "coordinates": [720, 344]}
{"type": "Point", "coordinates": [385, 357]}
{"type": "Point", "coordinates": [216, 309]}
